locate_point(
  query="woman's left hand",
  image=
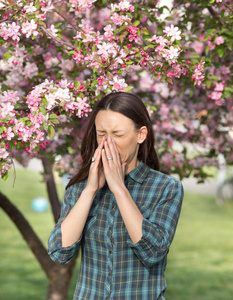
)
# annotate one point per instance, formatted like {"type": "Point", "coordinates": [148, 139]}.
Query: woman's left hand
{"type": "Point", "coordinates": [114, 170]}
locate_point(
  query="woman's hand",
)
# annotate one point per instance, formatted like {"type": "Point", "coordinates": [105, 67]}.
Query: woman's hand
{"type": "Point", "coordinates": [113, 169]}
{"type": "Point", "coordinates": [96, 177]}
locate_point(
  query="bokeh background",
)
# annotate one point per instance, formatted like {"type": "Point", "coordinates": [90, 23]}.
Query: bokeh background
{"type": "Point", "coordinates": [200, 261]}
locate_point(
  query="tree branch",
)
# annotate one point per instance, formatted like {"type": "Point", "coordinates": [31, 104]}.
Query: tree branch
{"type": "Point", "coordinates": [56, 11]}
{"type": "Point", "coordinates": [215, 15]}
{"type": "Point", "coordinates": [28, 234]}
{"type": "Point", "coordinates": [62, 43]}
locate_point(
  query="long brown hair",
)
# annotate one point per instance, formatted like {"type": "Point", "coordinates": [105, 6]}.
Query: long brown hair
{"type": "Point", "coordinates": [133, 108]}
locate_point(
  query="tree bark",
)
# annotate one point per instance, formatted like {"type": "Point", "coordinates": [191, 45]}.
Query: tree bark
{"type": "Point", "coordinates": [59, 281]}
{"type": "Point", "coordinates": [51, 188]}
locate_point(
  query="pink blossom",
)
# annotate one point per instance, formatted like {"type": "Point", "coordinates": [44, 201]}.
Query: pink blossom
{"type": "Point", "coordinates": [198, 75]}
{"type": "Point", "coordinates": [171, 54]}
{"type": "Point", "coordinates": [3, 152]}
{"type": "Point", "coordinates": [29, 28]}
{"type": "Point", "coordinates": [37, 120]}
{"type": "Point", "coordinates": [30, 8]}
{"type": "Point", "coordinates": [4, 168]}
{"type": "Point", "coordinates": [10, 31]}
{"type": "Point", "coordinates": [30, 70]}
{"type": "Point", "coordinates": [53, 31]}
{"type": "Point", "coordinates": [215, 95]}
{"type": "Point", "coordinates": [124, 5]}
{"type": "Point", "coordinates": [219, 87]}
{"type": "Point", "coordinates": [167, 160]}
{"type": "Point", "coordinates": [211, 45]}
{"type": "Point", "coordinates": [109, 36]}
{"type": "Point", "coordinates": [82, 4]}
{"type": "Point", "coordinates": [219, 40]}
{"type": "Point", "coordinates": [117, 19]}
{"type": "Point", "coordinates": [177, 71]}
{"type": "Point", "coordinates": [118, 84]}
{"type": "Point", "coordinates": [173, 32]}
{"type": "Point", "coordinates": [78, 57]}
{"type": "Point", "coordinates": [9, 134]}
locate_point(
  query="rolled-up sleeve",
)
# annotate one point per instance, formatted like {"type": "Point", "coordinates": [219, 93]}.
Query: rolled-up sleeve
{"type": "Point", "coordinates": [59, 254]}
{"type": "Point", "coordinates": [158, 228]}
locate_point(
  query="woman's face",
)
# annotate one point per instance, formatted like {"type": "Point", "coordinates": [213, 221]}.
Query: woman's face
{"type": "Point", "coordinates": [122, 130]}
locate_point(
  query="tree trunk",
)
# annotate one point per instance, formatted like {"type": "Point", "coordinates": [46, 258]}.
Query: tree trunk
{"type": "Point", "coordinates": [59, 275]}
{"type": "Point", "coordinates": [51, 188]}
{"type": "Point", "coordinates": [59, 281]}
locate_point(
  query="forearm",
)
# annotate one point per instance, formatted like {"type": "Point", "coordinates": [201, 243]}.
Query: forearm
{"type": "Point", "coordinates": [73, 224]}
{"type": "Point", "coordinates": [130, 213]}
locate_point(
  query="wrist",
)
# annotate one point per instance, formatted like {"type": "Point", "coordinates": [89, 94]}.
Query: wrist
{"type": "Point", "coordinates": [89, 193]}
{"type": "Point", "coordinates": [121, 192]}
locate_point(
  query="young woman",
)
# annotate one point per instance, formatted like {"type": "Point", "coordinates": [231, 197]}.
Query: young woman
{"type": "Point", "coordinates": [119, 208]}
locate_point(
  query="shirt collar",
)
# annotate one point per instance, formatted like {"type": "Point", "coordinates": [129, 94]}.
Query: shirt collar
{"type": "Point", "coordinates": [139, 173]}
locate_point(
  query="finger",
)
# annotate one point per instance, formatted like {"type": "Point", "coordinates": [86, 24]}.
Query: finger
{"type": "Point", "coordinates": [114, 151]}
{"type": "Point", "coordinates": [108, 151]}
{"type": "Point", "coordinates": [97, 150]}
{"type": "Point", "coordinates": [104, 160]}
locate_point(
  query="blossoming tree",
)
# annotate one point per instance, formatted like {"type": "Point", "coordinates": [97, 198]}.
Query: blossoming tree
{"type": "Point", "coordinates": [58, 58]}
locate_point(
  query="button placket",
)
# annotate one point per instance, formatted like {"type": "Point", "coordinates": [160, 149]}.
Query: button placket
{"type": "Point", "coordinates": [110, 246]}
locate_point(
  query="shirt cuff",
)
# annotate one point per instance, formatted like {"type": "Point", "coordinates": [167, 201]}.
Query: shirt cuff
{"type": "Point", "coordinates": [150, 248]}
{"type": "Point", "coordinates": [59, 254]}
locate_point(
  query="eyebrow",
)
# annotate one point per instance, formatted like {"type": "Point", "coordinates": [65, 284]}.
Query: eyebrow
{"type": "Point", "coordinates": [114, 131]}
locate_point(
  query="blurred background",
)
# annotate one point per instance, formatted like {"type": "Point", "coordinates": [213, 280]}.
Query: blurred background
{"type": "Point", "coordinates": [200, 264]}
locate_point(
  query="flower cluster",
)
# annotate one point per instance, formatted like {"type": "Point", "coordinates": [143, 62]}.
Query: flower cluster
{"type": "Point", "coordinates": [67, 64]}
{"type": "Point", "coordinates": [216, 95]}
{"type": "Point", "coordinates": [198, 75]}
{"type": "Point", "coordinates": [82, 5]}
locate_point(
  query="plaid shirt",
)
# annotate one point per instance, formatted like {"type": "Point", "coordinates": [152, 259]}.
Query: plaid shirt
{"type": "Point", "coordinates": [112, 266]}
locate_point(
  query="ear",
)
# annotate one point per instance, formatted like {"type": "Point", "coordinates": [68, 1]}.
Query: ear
{"type": "Point", "coordinates": [142, 134]}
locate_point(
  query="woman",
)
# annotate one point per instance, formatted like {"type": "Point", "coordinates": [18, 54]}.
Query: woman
{"type": "Point", "coordinates": [119, 208]}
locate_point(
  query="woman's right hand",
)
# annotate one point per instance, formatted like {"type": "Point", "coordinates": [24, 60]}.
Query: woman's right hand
{"type": "Point", "coordinates": [96, 177]}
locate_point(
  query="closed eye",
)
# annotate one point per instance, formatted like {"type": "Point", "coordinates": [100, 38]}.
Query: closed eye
{"type": "Point", "coordinates": [117, 135]}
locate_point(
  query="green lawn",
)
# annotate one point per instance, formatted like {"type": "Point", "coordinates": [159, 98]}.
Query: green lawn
{"type": "Point", "coordinates": [200, 262]}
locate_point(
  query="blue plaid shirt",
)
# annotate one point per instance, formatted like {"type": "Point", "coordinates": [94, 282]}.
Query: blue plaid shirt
{"type": "Point", "coordinates": [112, 266]}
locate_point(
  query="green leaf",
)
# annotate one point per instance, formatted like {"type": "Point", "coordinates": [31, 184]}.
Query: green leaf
{"type": "Point", "coordinates": [136, 23]}
{"type": "Point", "coordinates": [5, 176]}
{"type": "Point", "coordinates": [41, 109]}
{"type": "Point", "coordinates": [6, 56]}
{"type": "Point", "coordinates": [194, 56]}
{"type": "Point", "coordinates": [221, 52]}
{"type": "Point", "coordinates": [145, 31]}
{"type": "Point", "coordinates": [214, 77]}
{"type": "Point", "coordinates": [77, 84]}
{"type": "Point", "coordinates": [208, 83]}
{"type": "Point", "coordinates": [51, 131]}
{"type": "Point", "coordinates": [169, 18]}
{"type": "Point", "coordinates": [129, 88]}
{"type": "Point", "coordinates": [58, 25]}
{"type": "Point", "coordinates": [53, 116]}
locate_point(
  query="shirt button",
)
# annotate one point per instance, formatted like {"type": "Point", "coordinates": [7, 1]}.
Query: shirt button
{"type": "Point", "coordinates": [110, 252]}
{"type": "Point", "coordinates": [107, 298]}
{"type": "Point", "coordinates": [110, 228]}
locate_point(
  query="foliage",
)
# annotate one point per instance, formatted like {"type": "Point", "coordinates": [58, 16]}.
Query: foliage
{"type": "Point", "coordinates": [59, 57]}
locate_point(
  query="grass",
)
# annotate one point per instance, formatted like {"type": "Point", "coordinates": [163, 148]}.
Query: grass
{"type": "Point", "coordinates": [200, 264]}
